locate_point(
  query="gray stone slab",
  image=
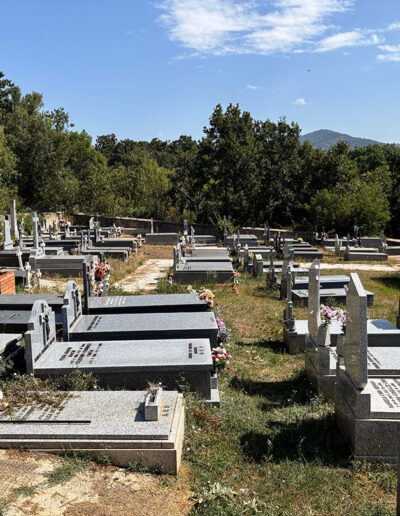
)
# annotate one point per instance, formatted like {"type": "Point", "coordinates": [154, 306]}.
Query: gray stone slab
{"type": "Point", "coordinates": [199, 271]}
{"type": "Point", "coordinates": [206, 259]}
{"type": "Point", "coordinates": [14, 321]}
{"type": "Point", "coordinates": [131, 364]}
{"type": "Point", "coordinates": [205, 239]}
{"type": "Point", "coordinates": [354, 256]}
{"type": "Point", "coordinates": [162, 238]}
{"type": "Point", "coordinates": [210, 251]}
{"type": "Point", "coordinates": [326, 282]}
{"type": "Point", "coordinates": [147, 304]}
{"type": "Point", "coordinates": [145, 326]}
{"type": "Point", "coordinates": [300, 297]}
{"type": "Point", "coordinates": [109, 422]}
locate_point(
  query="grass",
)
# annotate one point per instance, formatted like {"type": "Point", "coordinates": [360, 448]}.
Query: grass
{"type": "Point", "coordinates": [24, 491]}
{"type": "Point", "coordinates": [274, 447]}
{"type": "Point", "coordinates": [74, 464]}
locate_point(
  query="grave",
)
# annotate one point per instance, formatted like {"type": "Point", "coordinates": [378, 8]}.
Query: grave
{"type": "Point", "coordinates": [210, 251]}
{"type": "Point", "coordinates": [162, 238]}
{"type": "Point", "coordinates": [367, 404]}
{"type": "Point", "coordinates": [138, 426]}
{"type": "Point", "coordinates": [120, 364]}
{"type": "Point", "coordinates": [154, 303]}
{"type": "Point", "coordinates": [221, 272]}
{"type": "Point", "coordinates": [136, 326]}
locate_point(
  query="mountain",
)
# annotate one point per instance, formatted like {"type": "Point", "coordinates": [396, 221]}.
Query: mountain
{"type": "Point", "coordinates": [325, 139]}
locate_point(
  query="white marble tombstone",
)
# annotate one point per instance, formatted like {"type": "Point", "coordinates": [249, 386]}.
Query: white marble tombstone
{"type": "Point", "coordinates": [314, 315]}
{"type": "Point", "coordinates": [355, 353]}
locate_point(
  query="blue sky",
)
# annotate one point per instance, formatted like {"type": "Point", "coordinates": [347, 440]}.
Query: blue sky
{"type": "Point", "coordinates": [157, 68]}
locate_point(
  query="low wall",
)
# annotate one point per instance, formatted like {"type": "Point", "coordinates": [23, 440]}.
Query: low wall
{"type": "Point", "coordinates": [144, 225]}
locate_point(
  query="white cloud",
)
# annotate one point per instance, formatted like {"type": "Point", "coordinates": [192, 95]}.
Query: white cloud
{"type": "Point", "coordinates": [228, 26]}
{"type": "Point", "coordinates": [389, 57]}
{"type": "Point", "coordinates": [300, 102]}
{"type": "Point", "coordinates": [220, 27]}
{"type": "Point", "coordinates": [394, 26]}
{"type": "Point", "coordinates": [348, 39]}
{"type": "Point", "coordinates": [390, 48]}
{"type": "Point", "coordinates": [252, 87]}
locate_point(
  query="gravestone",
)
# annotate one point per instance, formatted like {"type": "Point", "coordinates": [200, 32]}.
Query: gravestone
{"type": "Point", "coordinates": [103, 423]}
{"type": "Point", "coordinates": [8, 243]}
{"type": "Point", "coordinates": [126, 364]}
{"type": "Point", "coordinates": [14, 221]}
{"type": "Point", "coordinates": [367, 409]}
{"type": "Point", "coordinates": [136, 326]}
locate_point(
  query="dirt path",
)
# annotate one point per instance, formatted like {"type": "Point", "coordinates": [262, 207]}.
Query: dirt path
{"type": "Point", "coordinates": [146, 276]}
{"type": "Point", "coordinates": [97, 491]}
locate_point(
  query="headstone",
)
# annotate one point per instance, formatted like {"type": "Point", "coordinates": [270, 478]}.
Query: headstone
{"type": "Point", "coordinates": [337, 245]}
{"type": "Point", "coordinates": [356, 340]}
{"type": "Point", "coordinates": [151, 225]}
{"type": "Point", "coordinates": [8, 243]}
{"type": "Point", "coordinates": [14, 222]}
{"type": "Point", "coordinates": [314, 316]}
{"type": "Point", "coordinates": [91, 223]}
{"type": "Point", "coordinates": [225, 230]}
{"type": "Point", "coordinates": [21, 234]}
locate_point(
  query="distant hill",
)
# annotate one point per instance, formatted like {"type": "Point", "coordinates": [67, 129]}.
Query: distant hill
{"type": "Point", "coordinates": [325, 139]}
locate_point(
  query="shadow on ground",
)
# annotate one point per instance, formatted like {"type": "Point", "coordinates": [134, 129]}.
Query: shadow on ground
{"type": "Point", "coordinates": [275, 346]}
{"type": "Point", "coordinates": [282, 393]}
{"type": "Point", "coordinates": [308, 440]}
{"type": "Point", "coordinates": [389, 280]}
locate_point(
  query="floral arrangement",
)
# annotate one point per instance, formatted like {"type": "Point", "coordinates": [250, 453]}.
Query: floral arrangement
{"type": "Point", "coordinates": [208, 295]}
{"type": "Point", "coordinates": [204, 293]}
{"type": "Point", "coordinates": [98, 290]}
{"type": "Point", "coordinates": [66, 222]}
{"type": "Point", "coordinates": [223, 332]}
{"type": "Point", "coordinates": [329, 314]}
{"type": "Point", "coordinates": [102, 270]}
{"type": "Point", "coordinates": [221, 358]}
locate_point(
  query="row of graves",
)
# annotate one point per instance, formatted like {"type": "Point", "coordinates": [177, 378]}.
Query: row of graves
{"type": "Point", "coordinates": [59, 251]}
{"type": "Point", "coordinates": [361, 249]}
{"type": "Point", "coordinates": [198, 258]}
{"type": "Point", "coordinates": [142, 349]}
{"type": "Point", "coordinates": [353, 360]}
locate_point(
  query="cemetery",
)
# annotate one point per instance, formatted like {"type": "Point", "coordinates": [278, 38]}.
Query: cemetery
{"type": "Point", "coordinates": [165, 355]}
{"type": "Point", "coordinates": [200, 312]}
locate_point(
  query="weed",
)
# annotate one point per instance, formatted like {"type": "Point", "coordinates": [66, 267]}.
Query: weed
{"type": "Point", "coordinates": [104, 459]}
{"type": "Point", "coordinates": [75, 463]}
{"type": "Point", "coordinates": [24, 491]}
{"type": "Point", "coordinates": [78, 381]}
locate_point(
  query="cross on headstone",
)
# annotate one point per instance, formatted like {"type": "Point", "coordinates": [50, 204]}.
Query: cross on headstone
{"type": "Point", "coordinates": [356, 340]}
{"type": "Point", "coordinates": [314, 315]}
{"type": "Point", "coordinates": [28, 276]}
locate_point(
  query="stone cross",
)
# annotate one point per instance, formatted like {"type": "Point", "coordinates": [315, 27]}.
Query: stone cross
{"type": "Point", "coordinates": [356, 340]}
{"type": "Point", "coordinates": [151, 225]}
{"type": "Point", "coordinates": [8, 243]}
{"type": "Point", "coordinates": [19, 256]}
{"type": "Point", "coordinates": [288, 312]}
{"type": "Point", "coordinates": [35, 221]}
{"type": "Point", "coordinates": [314, 315]}
{"type": "Point", "coordinates": [14, 222]}
{"type": "Point", "coordinates": [28, 276]}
